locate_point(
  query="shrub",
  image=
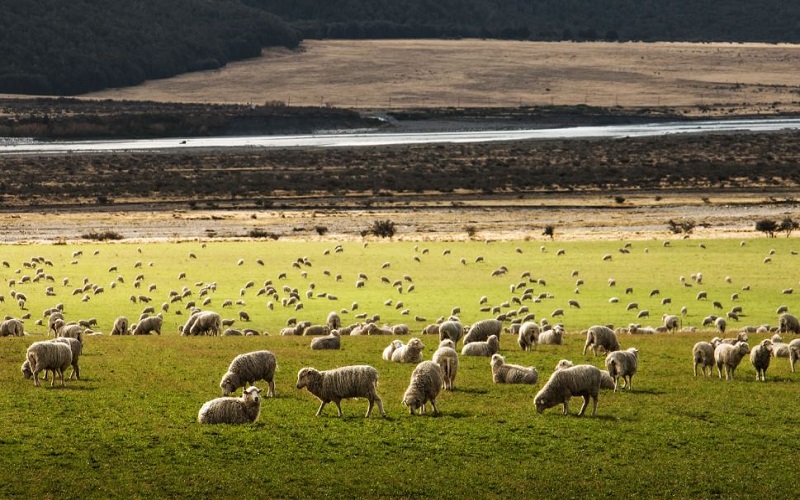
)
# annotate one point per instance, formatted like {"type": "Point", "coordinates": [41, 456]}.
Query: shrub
{"type": "Point", "coordinates": [549, 231]}
{"type": "Point", "coordinates": [767, 227]}
{"type": "Point", "coordinates": [321, 230]}
{"type": "Point", "coordinates": [261, 233]}
{"type": "Point", "coordinates": [102, 236]}
{"type": "Point", "coordinates": [685, 226]}
{"type": "Point", "coordinates": [788, 225]}
{"type": "Point", "coordinates": [383, 228]}
{"type": "Point", "coordinates": [471, 231]}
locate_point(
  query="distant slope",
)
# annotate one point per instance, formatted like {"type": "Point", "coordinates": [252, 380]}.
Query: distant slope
{"type": "Point", "coordinates": [642, 20]}
{"type": "Point", "coordinates": [75, 46]}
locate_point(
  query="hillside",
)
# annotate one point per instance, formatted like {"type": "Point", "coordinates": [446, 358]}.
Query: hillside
{"type": "Point", "coordinates": [67, 48]}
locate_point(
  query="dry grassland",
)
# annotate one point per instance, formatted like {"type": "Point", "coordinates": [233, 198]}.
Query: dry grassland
{"type": "Point", "coordinates": [732, 78]}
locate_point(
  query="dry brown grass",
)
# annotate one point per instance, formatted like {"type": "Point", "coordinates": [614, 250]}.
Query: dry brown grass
{"type": "Point", "coordinates": [733, 78]}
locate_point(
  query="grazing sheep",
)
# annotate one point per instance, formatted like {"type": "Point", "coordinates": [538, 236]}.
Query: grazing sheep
{"type": "Point", "coordinates": [671, 322]}
{"type": "Point", "coordinates": [600, 336]}
{"type": "Point", "coordinates": [47, 355]}
{"type": "Point", "coordinates": [452, 330]}
{"type": "Point", "coordinates": [554, 336]}
{"type": "Point", "coordinates": [606, 382]}
{"type": "Point", "coordinates": [703, 356]}
{"type": "Point", "coordinates": [426, 382]}
{"type": "Point", "coordinates": [51, 322]}
{"type": "Point", "coordinates": [581, 380]}
{"type": "Point", "coordinates": [316, 330]}
{"type": "Point", "coordinates": [330, 341]}
{"type": "Point", "coordinates": [243, 316]}
{"type": "Point", "coordinates": [503, 373]}
{"type": "Point", "coordinates": [788, 323]}
{"type": "Point", "coordinates": [358, 381]}
{"type": "Point", "coordinates": [247, 369]}
{"type": "Point", "coordinates": [794, 352]}
{"type": "Point", "coordinates": [12, 328]}
{"type": "Point", "coordinates": [740, 337]}
{"type": "Point", "coordinates": [482, 330]}
{"type": "Point", "coordinates": [76, 347]}
{"type": "Point", "coordinates": [148, 325]}
{"type": "Point", "coordinates": [333, 321]}
{"type": "Point", "coordinates": [446, 357]}
{"type": "Point", "coordinates": [409, 353]}
{"type": "Point", "coordinates": [120, 326]}
{"type": "Point", "coordinates": [228, 410]}
{"type": "Point", "coordinates": [729, 356]}
{"type": "Point", "coordinates": [203, 323]}
{"type": "Point", "coordinates": [760, 358]}
{"type": "Point", "coordinates": [387, 353]}
{"type": "Point", "coordinates": [720, 324]}
{"type": "Point", "coordinates": [68, 330]}
{"type": "Point", "coordinates": [487, 348]}
{"type": "Point", "coordinates": [528, 335]}
{"type": "Point", "coordinates": [623, 364]}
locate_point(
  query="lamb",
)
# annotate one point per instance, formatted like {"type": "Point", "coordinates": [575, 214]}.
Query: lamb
{"type": "Point", "coordinates": [149, 324]}
{"type": "Point", "coordinates": [330, 341]}
{"type": "Point", "coordinates": [703, 356]}
{"type": "Point", "coordinates": [554, 336]}
{"type": "Point", "coordinates": [600, 336]}
{"type": "Point", "coordinates": [229, 410]}
{"type": "Point", "coordinates": [482, 330]}
{"type": "Point", "coordinates": [528, 335]}
{"type": "Point", "coordinates": [794, 352]}
{"type": "Point", "coordinates": [247, 369]}
{"type": "Point", "coordinates": [623, 364]}
{"type": "Point", "coordinates": [503, 373]}
{"type": "Point", "coordinates": [581, 380]}
{"type": "Point", "coordinates": [447, 358]}
{"type": "Point", "coordinates": [491, 346]}
{"type": "Point", "coordinates": [409, 353]}
{"type": "Point", "coordinates": [11, 328]}
{"type": "Point", "coordinates": [760, 358]}
{"type": "Point", "coordinates": [788, 323]}
{"type": "Point", "coordinates": [729, 356]}
{"type": "Point", "coordinates": [356, 381]}
{"type": "Point", "coordinates": [671, 322]}
{"type": "Point", "coordinates": [47, 355]}
{"type": "Point", "coordinates": [120, 326]}
{"type": "Point", "coordinates": [387, 353]}
{"type": "Point", "coordinates": [451, 329]}
{"type": "Point", "coordinates": [426, 382]}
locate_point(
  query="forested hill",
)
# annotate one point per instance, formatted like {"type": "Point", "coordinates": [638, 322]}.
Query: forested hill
{"type": "Point", "coordinates": [74, 46]}
{"type": "Point", "coordinates": [645, 20]}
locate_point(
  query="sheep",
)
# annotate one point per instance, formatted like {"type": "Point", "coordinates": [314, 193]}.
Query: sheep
{"type": "Point", "coordinates": [426, 382]}
{"type": "Point", "coordinates": [120, 326]}
{"type": "Point", "coordinates": [482, 330]}
{"type": "Point", "coordinates": [76, 347]}
{"type": "Point", "coordinates": [68, 330]}
{"type": "Point", "coordinates": [740, 337]}
{"type": "Point", "coordinates": [447, 358]}
{"type": "Point", "coordinates": [487, 348]}
{"type": "Point", "coordinates": [503, 373]}
{"type": "Point", "coordinates": [316, 330]}
{"type": "Point", "coordinates": [232, 332]}
{"type": "Point", "coordinates": [671, 322]}
{"type": "Point", "coordinates": [720, 324]}
{"type": "Point", "coordinates": [11, 328]}
{"type": "Point", "coordinates": [606, 382]}
{"type": "Point", "coordinates": [788, 323]}
{"type": "Point", "coordinates": [47, 355]}
{"type": "Point", "coordinates": [331, 341]}
{"type": "Point", "coordinates": [703, 356]}
{"type": "Point", "coordinates": [581, 380]}
{"type": "Point", "coordinates": [204, 323]}
{"type": "Point", "coordinates": [356, 381]}
{"type": "Point", "coordinates": [528, 336]}
{"type": "Point", "coordinates": [51, 322]}
{"type": "Point", "coordinates": [409, 353]}
{"type": "Point", "coordinates": [760, 358]}
{"type": "Point", "coordinates": [229, 410]}
{"type": "Point", "coordinates": [247, 369]}
{"type": "Point", "coordinates": [794, 352]}
{"type": "Point", "coordinates": [394, 345]}
{"type": "Point", "coordinates": [451, 329]}
{"type": "Point", "coordinates": [333, 321]}
{"type": "Point", "coordinates": [623, 364]}
{"type": "Point", "coordinates": [729, 356]}
{"type": "Point", "coordinates": [600, 336]}
{"type": "Point", "coordinates": [554, 336]}
{"type": "Point", "coordinates": [149, 324]}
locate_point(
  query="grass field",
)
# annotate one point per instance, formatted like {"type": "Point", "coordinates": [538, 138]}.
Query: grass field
{"type": "Point", "coordinates": [128, 428]}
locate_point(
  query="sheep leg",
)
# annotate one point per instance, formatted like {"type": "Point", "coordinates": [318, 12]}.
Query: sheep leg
{"type": "Point", "coordinates": [695, 370]}
{"type": "Point", "coordinates": [369, 408]}
{"type": "Point", "coordinates": [319, 412]}
{"type": "Point", "coordinates": [594, 406]}
{"type": "Point", "coordinates": [339, 406]}
{"type": "Point", "coordinates": [566, 407]}
{"type": "Point", "coordinates": [584, 405]}
{"type": "Point", "coordinates": [61, 377]}
{"type": "Point", "coordinates": [435, 409]}
{"type": "Point", "coordinates": [379, 402]}
{"type": "Point", "coordinates": [36, 379]}
{"type": "Point", "coordinates": [271, 392]}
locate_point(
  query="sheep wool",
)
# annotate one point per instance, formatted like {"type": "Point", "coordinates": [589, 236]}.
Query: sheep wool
{"type": "Point", "coordinates": [387, 352]}
{"type": "Point", "coordinates": [580, 380]}
{"type": "Point", "coordinates": [554, 336]}
{"type": "Point", "coordinates": [503, 373]}
{"type": "Point", "coordinates": [11, 328]}
{"type": "Point", "coordinates": [598, 337]}
{"type": "Point", "coordinates": [478, 348]}
{"type": "Point", "coordinates": [452, 330]}
{"type": "Point", "coordinates": [76, 347]}
{"type": "Point", "coordinates": [794, 352]}
{"type": "Point", "coordinates": [409, 353]}
{"type": "Point", "coordinates": [703, 356]}
{"type": "Point", "coordinates": [46, 355]}
{"type": "Point", "coordinates": [729, 356]}
{"type": "Point", "coordinates": [482, 330]}
{"type": "Point", "coordinates": [426, 382]}
{"type": "Point", "coordinates": [528, 335]}
{"type": "Point", "coordinates": [623, 364]}
{"type": "Point", "coordinates": [148, 325]}
{"type": "Point", "coordinates": [356, 381]}
{"type": "Point", "coordinates": [760, 358]}
{"type": "Point", "coordinates": [120, 326]}
{"type": "Point", "coordinates": [446, 357]}
{"type": "Point", "coordinates": [331, 341]}
{"type": "Point", "coordinates": [606, 382]}
{"type": "Point", "coordinates": [229, 410]}
{"type": "Point", "coordinates": [247, 369]}
{"type": "Point", "coordinates": [204, 323]}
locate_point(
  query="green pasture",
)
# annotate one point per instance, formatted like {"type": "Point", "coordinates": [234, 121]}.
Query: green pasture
{"type": "Point", "coordinates": [128, 428]}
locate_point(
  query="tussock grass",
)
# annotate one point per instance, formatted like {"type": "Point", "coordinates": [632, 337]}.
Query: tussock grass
{"type": "Point", "coordinates": [129, 427]}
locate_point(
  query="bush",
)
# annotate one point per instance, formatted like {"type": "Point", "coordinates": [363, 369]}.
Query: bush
{"type": "Point", "coordinates": [321, 230]}
{"type": "Point", "coordinates": [471, 231]}
{"type": "Point", "coordinates": [767, 227]}
{"type": "Point", "coordinates": [102, 236]}
{"type": "Point", "coordinates": [549, 231]}
{"type": "Point", "coordinates": [788, 225]}
{"type": "Point", "coordinates": [685, 226]}
{"type": "Point", "coordinates": [261, 233]}
{"type": "Point", "coordinates": [383, 228]}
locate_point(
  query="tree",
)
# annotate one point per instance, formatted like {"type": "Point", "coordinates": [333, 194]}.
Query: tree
{"type": "Point", "coordinates": [767, 227]}
{"type": "Point", "coordinates": [788, 225]}
{"type": "Point", "coordinates": [383, 228]}
{"type": "Point", "coordinates": [549, 231]}
{"type": "Point", "coordinates": [684, 226]}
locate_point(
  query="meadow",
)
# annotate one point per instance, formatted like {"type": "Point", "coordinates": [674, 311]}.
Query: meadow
{"type": "Point", "coordinates": [128, 427]}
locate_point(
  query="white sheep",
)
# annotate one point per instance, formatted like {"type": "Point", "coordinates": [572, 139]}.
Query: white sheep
{"type": "Point", "coordinates": [452, 330]}
{"type": "Point", "coordinates": [606, 382]}
{"type": "Point", "coordinates": [487, 348]}
{"type": "Point", "coordinates": [387, 352]}
{"type": "Point", "coordinates": [76, 347]}
{"type": "Point", "coordinates": [426, 382]}
{"type": "Point", "coordinates": [120, 326]}
{"type": "Point", "coordinates": [623, 364]}
{"type": "Point", "coordinates": [788, 323]}
{"type": "Point", "coordinates": [581, 380]}
{"type": "Point", "coordinates": [671, 322]}
{"type": "Point", "coordinates": [482, 330]}
{"type": "Point", "coordinates": [12, 328]}
{"type": "Point", "coordinates": [600, 336]}
{"type": "Point", "coordinates": [229, 410]}
{"type": "Point", "coordinates": [203, 323]}
{"type": "Point", "coordinates": [703, 356]}
{"type": "Point", "coordinates": [316, 330]}
{"type": "Point", "coordinates": [528, 335]}
{"type": "Point", "coordinates": [330, 341]}
{"type": "Point", "coordinates": [729, 356]}
{"type": "Point", "coordinates": [357, 381]}
{"type": "Point", "coordinates": [553, 336]}
{"type": "Point", "coordinates": [409, 353]}
{"type": "Point", "coordinates": [46, 355]}
{"type": "Point", "coordinates": [446, 357]}
{"type": "Point", "coordinates": [740, 337]}
{"type": "Point", "coordinates": [247, 369]}
{"type": "Point", "coordinates": [148, 325]}
{"type": "Point", "coordinates": [333, 321]}
{"type": "Point", "coordinates": [794, 352]}
{"type": "Point", "coordinates": [503, 373]}
{"type": "Point", "coordinates": [760, 358]}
